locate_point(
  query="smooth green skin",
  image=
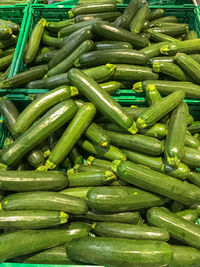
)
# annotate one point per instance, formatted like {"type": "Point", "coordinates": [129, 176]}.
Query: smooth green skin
{"type": "Point", "coordinates": [154, 60]}
{"type": "Point", "coordinates": [175, 140]}
{"type": "Point", "coordinates": [129, 12]}
{"type": "Point", "coordinates": [190, 120]}
{"type": "Point", "coordinates": [121, 198]}
{"type": "Point", "coordinates": [101, 163]}
{"type": "Point", "coordinates": [155, 14]}
{"type": "Point", "coordinates": [75, 156]}
{"type": "Point", "coordinates": [38, 132]}
{"type": "Point", "coordinates": [74, 27]}
{"type": "Point", "coordinates": [138, 20]}
{"type": "Point", "coordinates": [137, 232]}
{"type": "Point", "coordinates": [153, 50]}
{"type": "Point", "coordinates": [5, 44]}
{"type": "Point", "coordinates": [185, 257]}
{"type": "Point", "coordinates": [76, 192]}
{"type": "Point", "coordinates": [181, 172]}
{"type": "Point", "coordinates": [191, 157]}
{"type": "Point", "coordinates": [189, 65]}
{"type": "Point", "coordinates": [156, 182]}
{"type": "Point", "coordinates": [194, 127]}
{"type": "Point", "coordinates": [66, 163]}
{"type": "Point", "coordinates": [97, 135]}
{"type": "Point", "coordinates": [21, 181]}
{"type": "Point", "coordinates": [152, 95]}
{"type": "Point", "coordinates": [31, 219]}
{"type": "Point", "coordinates": [106, 16]}
{"type": "Point", "coordinates": [121, 22]}
{"type": "Point", "coordinates": [41, 200]}
{"type": "Point", "coordinates": [124, 217]}
{"type": "Point", "coordinates": [5, 31]}
{"type": "Point", "coordinates": [126, 56]}
{"type": "Point", "coordinates": [137, 142]}
{"type": "Point", "coordinates": [154, 113]}
{"type": "Point", "coordinates": [72, 134]}
{"type": "Point", "coordinates": [118, 34]}
{"type": "Point", "coordinates": [105, 45]}
{"type": "Point", "coordinates": [133, 73]}
{"type": "Point", "coordinates": [34, 41]}
{"type": "Point", "coordinates": [5, 61]}
{"type": "Point", "coordinates": [38, 84]}
{"type": "Point", "coordinates": [120, 252]}
{"type": "Point", "coordinates": [51, 41]}
{"type": "Point", "coordinates": [191, 141]}
{"type": "Point", "coordinates": [68, 62]}
{"type": "Point", "coordinates": [37, 240]}
{"type": "Point", "coordinates": [110, 153]}
{"type": "Point", "coordinates": [191, 35]}
{"type": "Point", "coordinates": [171, 19]}
{"type": "Point", "coordinates": [196, 57]}
{"type": "Point", "coordinates": [189, 215]}
{"type": "Point", "coordinates": [86, 168]}
{"type": "Point", "coordinates": [39, 106]}
{"type": "Point", "coordinates": [111, 87]}
{"type": "Point", "coordinates": [74, 40]}
{"type": "Point", "coordinates": [179, 228]}
{"type": "Point", "coordinates": [158, 130]}
{"type": "Point", "coordinates": [101, 99]}
{"type": "Point", "coordinates": [15, 28]}
{"type": "Point", "coordinates": [194, 177]}
{"type": "Point", "coordinates": [171, 30]}
{"type": "Point", "coordinates": [56, 26]}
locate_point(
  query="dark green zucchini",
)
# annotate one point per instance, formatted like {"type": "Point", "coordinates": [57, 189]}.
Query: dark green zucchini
{"type": "Point", "coordinates": [194, 127]}
{"type": "Point", "coordinates": [55, 26]}
{"type": "Point", "coordinates": [170, 19]}
{"type": "Point", "coordinates": [153, 50]}
{"type": "Point", "coordinates": [99, 163]}
{"type": "Point", "coordinates": [75, 156]}
{"type": "Point", "coordinates": [13, 26]}
{"type": "Point", "coordinates": [111, 87]}
{"type": "Point", "coordinates": [138, 20]}
{"type": "Point", "coordinates": [176, 206]}
{"type": "Point", "coordinates": [97, 135]}
{"type": "Point", "coordinates": [80, 192]}
{"type": "Point", "coordinates": [155, 14]}
{"type": "Point", "coordinates": [105, 16]}
{"type": "Point", "coordinates": [154, 60]}
{"type": "Point", "coordinates": [51, 41]}
{"type": "Point", "coordinates": [192, 142]}
{"type": "Point", "coordinates": [191, 157]}
{"type": "Point", "coordinates": [171, 30]}
{"type": "Point", "coordinates": [5, 61]}
{"type": "Point", "coordinates": [74, 27]}
{"type": "Point", "coordinates": [189, 215]}
{"type": "Point", "coordinates": [105, 45]}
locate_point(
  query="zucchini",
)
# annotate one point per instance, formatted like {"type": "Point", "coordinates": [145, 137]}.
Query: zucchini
{"type": "Point", "coordinates": [97, 135]}
{"type": "Point", "coordinates": [138, 20]}
{"type": "Point", "coordinates": [13, 26]}
{"type": "Point", "coordinates": [21, 181]}
{"type": "Point", "coordinates": [51, 41]}
{"type": "Point", "coordinates": [155, 14]}
{"type": "Point", "coordinates": [34, 41]}
{"type": "Point", "coordinates": [152, 94]}
{"type": "Point", "coordinates": [119, 34]}
{"type": "Point", "coordinates": [106, 45]}
{"type": "Point", "coordinates": [110, 153]}
{"type": "Point", "coordinates": [6, 43]}
{"type": "Point", "coordinates": [181, 172]}
{"type": "Point", "coordinates": [91, 8]}
{"type": "Point", "coordinates": [136, 232]}
{"type": "Point", "coordinates": [194, 127]}
{"type": "Point", "coordinates": [75, 156]}
{"type": "Point", "coordinates": [42, 200]}
{"type": "Point", "coordinates": [190, 120]}
{"type": "Point", "coordinates": [101, 98]}
{"type": "Point", "coordinates": [170, 19]}
{"type": "Point", "coordinates": [31, 219]}
{"type": "Point", "coordinates": [133, 73]}
{"type": "Point", "coordinates": [154, 60]}
{"type": "Point", "coordinates": [174, 145]}
{"type": "Point", "coordinates": [40, 105]}
{"type": "Point", "coordinates": [160, 37]}
{"type": "Point", "coordinates": [45, 126]}
{"type": "Point", "coordinates": [91, 178]}
{"type": "Point", "coordinates": [194, 177]}
{"type": "Point", "coordinates": [119, 252]}
{"type": "Point", "coordinates": [191, 157]}
{"type": "Point", "coordinates": [6, 61]}
{"type": "Point", "coordinates": [112, 199]}
{"type": "Point", "coordinates": [80, 192]}
{"type": "Point", "coordinates": [99, 163]}
{"type": "Point", "coordinates": [5, 31]}
{"type": "Point", "coordinates": [36, 157]}
{"type": "Point", "coordinates": [38, 84]}
{"type": "Point", "coordinates": [138, 142]}
{"type": "Point", "coordinates": [189, 215]}
{"type": "Point", "coordinates": [153, 50]}
{"type": "Point", "coordinates": [129, 12]}
{"type": "Point", "coordinates": [107, 16]}
{"type": "Point", "coordinates": [188, 46]}
{"type": "Point", "coordinates": [66, 163]}
{"type": "Point", "coordinates": [56, 26]}
{"type": "Point", "coordinates": [128, 56]}
{"type": "Point", "coordinates": [156, 182]}
{"type": "Point", "coordinates": [189, 65]}
{"type": "Point", "coordinates": [39, 240]}
{"type": "Point", "coordinates": [74, 27]}
{"type": "Point", "coordinates": [184, 256]}
{"type": "Point", "coordinates": [176, 206]}
{"type": "Point", "coordinates": [179, 228]}
{"type": "Point", "coordinates": [71, 135]}
{"type": "Point", "coordinates": [68, 62]}
{"type": "Point", "coordinates": [155, 113]}
{"type": "Point", "coordinates": [176, 31]}
{"type": "Point", "coordinates": [192, 142]}
{"type": "Point", "coordinates": [111, 87]}
{"type": "Point", "coordinates": [191, 35]}
{"type": "Point", "coordinates": [73, 41]}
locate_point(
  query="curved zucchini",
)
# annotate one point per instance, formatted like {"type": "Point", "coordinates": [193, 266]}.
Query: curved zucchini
{"type": "Point", "coordinates": [102, 100]}
{"type": "Point", "coordinates": [97, 135]}
{"type": "Point", "coordinates": [38, 84]}
{"type": "Point", "coordinates": [42, 200]}
{"type": "Point", "coordinates": [191, 157]}
{"type": "Point", "coordinates": [106, 45]}
{"type": "Point", "coordinates": [137, 23]}
{"type": "Point", "coordinates": [169, 19]}
{"type": "Point", "coordinates": [189, 215]}
{"type": "Point", "coordinates": [51, 41]}
{"type": "Point", "coordinates": [34, 41]}
{"type": "Point", "coordinates": [74, 27]}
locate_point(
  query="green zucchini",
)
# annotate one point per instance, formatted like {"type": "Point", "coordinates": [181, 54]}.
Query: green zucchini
{"type": "Point", "coordinates": [170, 19]}
{"type": "Point", "coordinates": [171, 30]}
{"type": "Point", "coordinates": [112, 199]}
{"type": "Point", "coordinates": [110, 153]}
{"type": "Point", "coordinates": [174, 145]}
{"type": "Point", "coordinates": [80, 192]}
{"type": "Point", "coordinates": [7, 52]}
{"type": "Point", "coordinates": [56, 26]}
{"type": "Point", "coordinates": [5, 31]}
{"type": "Point", "coordinates": [152, 94]}
{"type": "Point", "coordinates": [51, 41]}
{"type": "Point", "coordinates": [50, 122]}
{"type": "Point", "coordinates": [38, 84]}
{"type": "Point", "coordinates": [6, 61]}
{"type": "Point", "coordinates": [106, 45]}
{"type": "Point", "coordinates": [34, 41]}
{"type": "Point", "coordinates": [191, 35]}
{"type": "Point", "coordinates": [101, 98]}
{"type": "Point", "coordinates": [191, 157]}
{"type": "Point", "coordinates": [133, 73]}
{"type": "Point", "coordinates": [112, 56]}
{"type": "Point", "coordinates": [105, 16]}
{"type": "Point", "coordinates": [194, 177]}
{"type": "Point", "coordinates": [6, 43]}
{"type": "Point", "coordinates": [192, 142]}
{"type": "Point", "coordinates": [111, 87]}
{"type": "Point", "coordinates": [181, 172]}
{"type": "Point", "coordinates": [188, 46]}
{"type": "Point", "coordinates": [189, 65]}
{"type": "Point", "coordinates": [119, 252]}
{"type": "Point", "coordinates": [156, 182]}
{"type": "Point", "coordinates": [42, 200]}
{"type": "Point", "coordinates": [189, 215]}
{"type": "Point", "coordinates": [140, 143]}
{"type": "Point", "coordinates": [93, 8]}
{"type": "Point", "coordinates": [154, 60]}
{"type": "Point", "coordinates": [39, 240]}
{"type": "Point", "coordinates": [136, 232]}
{"type": "Point", "coordinates": [40, 105]}
{"type": "Point", "coordinates": [184, 256]}
{"type": "Point", "coordinates": [36, 157]}
{"type": "Point", "coordinates": [160, 37]}
{"type": "Point", "coordinates": [13, 26]}
{"type": "Point", "coordinates": [155, 112]}
{"type": "Point", "coordinates": [190, 120]}
{"type": "Point", "coordinates": [85, 168]}
{"type": "Point", "coordinates": [73, 41]}
{"type": "Point", "coordinates": [97, 135]}
{"type": "Point", "coordinates": [153, 50]}
{"type": "Point", "coordinates": [119, 34]}
{"type": "Point", "coordinates": [74, 27]}
{"type": "Point", "coordinates": [155, 14]}
{"type": "Point", "coordinates": [99, 163]}
{"type": "Point", "coordinates": [31, 219]}
{"type": "Point", "coordinates": [179, 228]}
{"type": "Point", "coordinates": [91, 178]}
{"type": "Point", "coordinates": [176, 206]}
{"type": "Point", "coordinates": [66, 163]}
{"type": "Point", "coordinates": [71, 135]}
{"type": "Point", "coordinates": [128, 14]}
{"type": "Point", "coordinates": [68, 62]}
{"type": "Point", "coordinates": [138, 20]}
{"type": "Point", "coordinates": [75, 156]}
{"type": "Point", "coordinates": [194, 127]}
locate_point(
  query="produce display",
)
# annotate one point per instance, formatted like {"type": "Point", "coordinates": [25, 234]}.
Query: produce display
{"type": "Point", "coordinates": [85, 180]}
